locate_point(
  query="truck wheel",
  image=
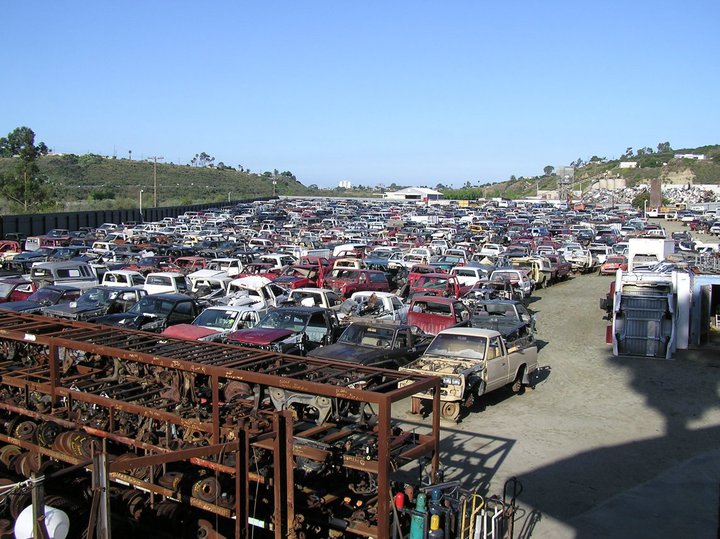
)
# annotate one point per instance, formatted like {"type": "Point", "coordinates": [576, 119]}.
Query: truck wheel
{"type": "Point", "coordinates": [517, 384]}
{"type": "Point", "coordinates": [415, 404]}
{"type": "Point", "coordinates": [450, 411]}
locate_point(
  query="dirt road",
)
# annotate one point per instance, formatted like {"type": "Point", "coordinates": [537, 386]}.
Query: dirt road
{"type": "Point", "coordinates": [594, 427]}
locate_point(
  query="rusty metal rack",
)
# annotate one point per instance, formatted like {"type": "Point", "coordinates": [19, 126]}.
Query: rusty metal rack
{"type": "Point", "coordinates": [288, 444]}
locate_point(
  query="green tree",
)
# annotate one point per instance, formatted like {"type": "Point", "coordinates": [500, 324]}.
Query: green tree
{"type": "Point", "coordinates": [202, 160]}
{"type": "Point", "coordinates": [548, 170]}
{"type": "Point", "coordinates": [664, 147]}
{"type": "Point", "coordinates": [24, 187]}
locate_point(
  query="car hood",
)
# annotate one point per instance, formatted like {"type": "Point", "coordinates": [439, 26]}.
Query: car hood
{"type": "Point", "coordinates": [188, 331]}
{"type": "Point", "coordinates": [79, 308]}
{"type": "Point", "coordinates": [120, 319]}
{"type": "Point", "coordinates": [127, 320]}
{"type": "Point", "coordinates": [260, 336]}
{"type": "Point", "coordinates": [348, 352]}
{"type": "Point", "coordinates": [20, 306]}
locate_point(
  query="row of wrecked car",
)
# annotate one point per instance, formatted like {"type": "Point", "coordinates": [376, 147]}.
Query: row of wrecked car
{"type": "Point", "coordinates": [375, 284]}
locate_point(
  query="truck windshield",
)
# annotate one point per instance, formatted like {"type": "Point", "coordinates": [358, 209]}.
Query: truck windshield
{"type": "Point", "coordinates": [367, 336]}
{"type": "Point", "coordinates": [458, 346]}
{"type": "Point", "coordinates": [152, 305]}
{"type": "Point", "coordinates": [438, 283]}
{"type": "Point", "coordinates": [216, 318]}
{"type": "Point", "coordinates": [295, 321]}
{"type": "Point", "coordinates": [100, 296]}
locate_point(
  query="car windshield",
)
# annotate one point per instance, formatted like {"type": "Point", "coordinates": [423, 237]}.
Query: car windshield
{"type": "Point", "coordinates": [46, 295]}
{"type": "Point", "coordinates": [217, 318]}
{"type": "Point", "coordinates": [458, 346]}
{"type": "Point", "coordinates": [367, 336]}
{"type": "Point", "coordinates": [346, 274]}
{"type": "Point", "coordinates": [5, 289]}
{"type": "Point", "coordinates": [498, 277]}
{"type": "Point", "coordinates": [296, 321]}
{"type": "Point", "coordinates": [98, 295]}
{"type": "Point", "coordinates": [496, 309]}
{"type": "Point", "coordinates": [449, 259]}
{"type": "Point", "coordinates": [152, 305]}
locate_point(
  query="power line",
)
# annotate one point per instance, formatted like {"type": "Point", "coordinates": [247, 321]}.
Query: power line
{"type": "Point", "coordinates": [154, 159]}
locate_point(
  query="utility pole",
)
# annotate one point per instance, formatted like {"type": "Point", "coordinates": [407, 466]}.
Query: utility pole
{"type": "Point", "coordinates": [155, 160]}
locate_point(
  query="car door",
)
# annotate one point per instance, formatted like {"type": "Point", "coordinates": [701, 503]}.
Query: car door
{"type": "Point", "coordinates": [398, 354]}
{"type": "Point", "coordinates": [182, 313]}
{"type": "Point", "coordinates": [496, 365]}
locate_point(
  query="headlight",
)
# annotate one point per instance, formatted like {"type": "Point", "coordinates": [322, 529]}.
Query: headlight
{"type": "Point", "coordinates": [155, 324]}
{"type": "Point", "coordinates": [451, 381]}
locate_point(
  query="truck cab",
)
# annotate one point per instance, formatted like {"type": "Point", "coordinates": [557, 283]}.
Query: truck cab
{"type": "Point", "coordinates": [471, 363]}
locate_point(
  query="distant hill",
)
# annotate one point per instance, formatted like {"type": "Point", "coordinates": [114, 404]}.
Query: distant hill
{"type": "Point", "coordinates": [95, 182]}
{"type": "Point", "coordinates": [92, 181]}
{"type": "Point", "coordinates": [650, 164]}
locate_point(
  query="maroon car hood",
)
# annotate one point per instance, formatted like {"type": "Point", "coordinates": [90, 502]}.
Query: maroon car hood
{"type": "Point", "coordinates": [188, 331]}
{"type": "Point", "coordinates": [259, 336]}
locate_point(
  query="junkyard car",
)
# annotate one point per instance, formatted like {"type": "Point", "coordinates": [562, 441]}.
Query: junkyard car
{"type": "Point", "coordinates": [97, 301]}
{"type": "Point", "coordinates": [154, 313]}
{"type": "Point", "coordinates": [290, 330]}
{"type": "Point", "coordinates": [215, 323]}
{"type": "Point", "coordinates": [17, 289]}
{"type": "Point", "coordinates": [381, 345]}
{"type": "Point", "coordinates": [346, 281]}
{"type": "Point", "coordinates": [43, 297]}
{"type": "Point", "coordinates": [471, 363]}
{"type": "Point", "coordinates": [612, 264]}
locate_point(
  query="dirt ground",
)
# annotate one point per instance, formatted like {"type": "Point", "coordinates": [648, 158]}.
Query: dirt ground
{"type": "Point", "coordinates": [594, 427]}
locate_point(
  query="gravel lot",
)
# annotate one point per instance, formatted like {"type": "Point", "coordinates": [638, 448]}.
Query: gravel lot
{"type": "Point", "coordinates": [594, 427]}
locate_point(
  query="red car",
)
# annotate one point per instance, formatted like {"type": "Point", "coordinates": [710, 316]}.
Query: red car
{"type": "Point", "coordinates": [16, 289]}
{"type": "Point", "coordinates": [300, 276]}
{"type": "Point", "coordinates": [612, 264]}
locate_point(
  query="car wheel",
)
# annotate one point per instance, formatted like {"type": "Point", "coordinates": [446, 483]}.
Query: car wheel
{"type": "Point", "coordinates": [517, 385]}
{"type": "Point", "coordinates": [450, 411]}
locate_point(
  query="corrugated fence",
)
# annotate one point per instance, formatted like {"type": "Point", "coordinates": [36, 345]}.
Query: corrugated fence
{"type": "Point", "coordinates": [38, 224]}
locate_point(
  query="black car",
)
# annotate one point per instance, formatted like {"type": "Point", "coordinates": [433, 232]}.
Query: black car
{"type": "Point", "coordinates": [154, 313]}
{"type": "Point", "coordinates": [97, 301]}
{"type": "Point", "coordinates": [381, 345]}
{"type": "Point", "coordinates": [44, 297]}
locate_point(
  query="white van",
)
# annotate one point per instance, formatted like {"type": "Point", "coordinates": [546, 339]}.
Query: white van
{"type": "Point", "coordinates": [166, 282]}
{"type": "Point", "coordinates": [123, 278]}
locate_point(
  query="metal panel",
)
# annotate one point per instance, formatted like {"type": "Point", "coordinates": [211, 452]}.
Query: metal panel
{"type": "Point", "coordinates": [152, 402]}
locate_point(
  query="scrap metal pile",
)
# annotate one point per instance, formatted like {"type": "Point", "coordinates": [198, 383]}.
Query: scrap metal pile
{"type": "Point", "coordinates": [205, 439]}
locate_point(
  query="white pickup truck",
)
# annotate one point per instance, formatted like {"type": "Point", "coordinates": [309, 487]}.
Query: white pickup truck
{"type": "Point", "coordinates": [472, 362]}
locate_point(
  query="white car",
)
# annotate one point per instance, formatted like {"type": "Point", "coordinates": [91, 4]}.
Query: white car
{"type": "Point", "coordinates": [214, 323]}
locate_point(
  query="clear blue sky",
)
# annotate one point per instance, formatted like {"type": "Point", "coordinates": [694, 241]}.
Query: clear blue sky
{"type": "Point", "coordinates": [413, 92]}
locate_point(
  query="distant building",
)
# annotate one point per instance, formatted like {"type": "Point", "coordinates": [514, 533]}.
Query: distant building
{"type": "Point", "coordinates": [345, 184]}
{"type": "Point", "coordinates": [419, 194]}
{"type": "Point", "coordinates": [697, 156]}
{"type": "Point", "coordinates": [628, 164]}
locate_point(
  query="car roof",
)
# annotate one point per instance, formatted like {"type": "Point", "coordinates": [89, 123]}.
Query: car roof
{"type": "Point", "coordinates": [475, 332]}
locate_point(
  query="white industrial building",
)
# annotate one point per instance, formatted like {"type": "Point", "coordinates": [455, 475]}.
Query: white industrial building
{"type": "Point", "coordinates": [416, 194]}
